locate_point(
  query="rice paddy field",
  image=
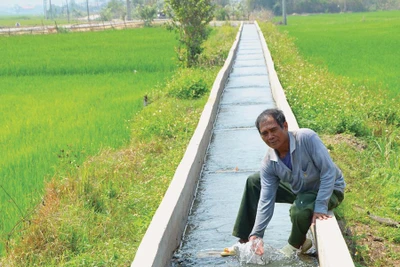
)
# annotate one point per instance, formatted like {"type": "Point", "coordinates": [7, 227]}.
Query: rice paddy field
{"type": "Point", "coordinates": [65, 97]}
{"type": "Point", "coordinates": [363, 46]}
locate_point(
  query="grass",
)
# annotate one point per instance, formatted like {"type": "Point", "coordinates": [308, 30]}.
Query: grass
{"type": "Point", "coordinates": [359, 122]}
{"type": "Point", "coordinates": [96, 214]}
{"type": "Point", "coordinates": [363, 46]}
{"type": "Point", "coordinates": [65, 97]}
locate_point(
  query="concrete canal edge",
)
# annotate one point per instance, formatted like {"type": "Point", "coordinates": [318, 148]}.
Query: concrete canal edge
{"type": "Point", "coordinates": [276, 87]}
{"type": "Point", "coordinates": [332, 249]}
{"type": "Point", "coordinates": [165, 231]}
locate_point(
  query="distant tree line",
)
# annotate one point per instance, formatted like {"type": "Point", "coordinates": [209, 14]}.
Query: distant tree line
{"type": "Point", "coordinates": [127, 9]}
{"type": "Point", "coordinates": [239, 9]}
{"type": "Point", "coordinates": [147, 10]}
{"type": "Point", "coordinates": [72, 9]}
{"type": "Point", "coordinates": [105, 10]}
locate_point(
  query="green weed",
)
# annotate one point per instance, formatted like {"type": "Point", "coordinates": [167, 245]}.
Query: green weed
{"type": "Point", "coordinates": [187, 84]}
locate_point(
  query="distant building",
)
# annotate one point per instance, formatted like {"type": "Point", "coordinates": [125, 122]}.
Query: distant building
{"type": "Point", "coordinates": [161, 15]}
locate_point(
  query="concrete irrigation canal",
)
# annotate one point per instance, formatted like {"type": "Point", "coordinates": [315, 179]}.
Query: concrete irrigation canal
{"type": "Point", "coordinates": [195, 219]}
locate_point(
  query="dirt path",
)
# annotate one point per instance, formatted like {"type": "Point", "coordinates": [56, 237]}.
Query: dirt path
{"type": "Point", "coordinates": [91, 26]}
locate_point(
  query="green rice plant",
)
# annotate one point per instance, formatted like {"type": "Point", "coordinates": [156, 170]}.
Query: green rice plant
{"type": "Point", "coordinates": [53, 131]}
{"type": "Point", "coordinates": [362, 46]}
{"type": "Point", "coordinates": [57, 111]}
{"type": "Point", "coordinates": [104, 209]}
{"type": "Point", "coordinates": [84, 53]}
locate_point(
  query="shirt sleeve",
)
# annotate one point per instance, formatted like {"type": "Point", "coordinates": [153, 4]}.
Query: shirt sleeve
{"type": "Point", "coordinates": [266, 203]}
{"type": "Point", "coordinates": [328, 169]}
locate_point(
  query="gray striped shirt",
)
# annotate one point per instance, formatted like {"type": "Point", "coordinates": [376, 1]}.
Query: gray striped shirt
{"type": "Point", "coordinates": [312, 170]}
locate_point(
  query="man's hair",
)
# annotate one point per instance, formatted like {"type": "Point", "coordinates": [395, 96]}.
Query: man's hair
{"type": "Point", "coordinates": [275, 113]}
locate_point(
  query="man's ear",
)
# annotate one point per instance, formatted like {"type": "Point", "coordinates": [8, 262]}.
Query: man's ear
{"type": "Point", "coordinates": [285, 126]}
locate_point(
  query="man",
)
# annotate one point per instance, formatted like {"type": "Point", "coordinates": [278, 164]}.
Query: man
{"type": "Point", "coordinates": [297, 169]}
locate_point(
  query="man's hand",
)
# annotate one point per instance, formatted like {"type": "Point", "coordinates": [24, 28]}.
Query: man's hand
{"type": "Point", "coordinates": [257, 244]}
{"type": "Point", "coordinates": [319, 216]}
{"type": "Point", "coordinates": [253, 237]}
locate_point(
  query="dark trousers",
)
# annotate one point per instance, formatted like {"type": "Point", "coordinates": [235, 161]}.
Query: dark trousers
{"type": "Point", "coordinates": [301, 211]}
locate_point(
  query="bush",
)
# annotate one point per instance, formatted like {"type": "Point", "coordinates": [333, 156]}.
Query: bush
{"type": "Point", "coordinates": [187, 84]}
{"type": "Point", "coordinates": [147, 14]}
{"type": "Point", "coordinates": [221, 14]}
{"type": "Point", "coordinates": [353, 125]}
{"type": "Point", "coordinates": [217, 47]}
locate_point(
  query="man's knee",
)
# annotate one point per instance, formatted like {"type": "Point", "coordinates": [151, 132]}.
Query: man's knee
{"type": "Point", "coordinates": [300, 213]}
{"type": "Point", "coordinates": [254, 180]}
{"type": "Point", "coordinates": [335, 200]}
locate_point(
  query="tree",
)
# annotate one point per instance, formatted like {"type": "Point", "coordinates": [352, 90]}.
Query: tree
{"type": "Point", "coordinates": [115, 10]}
{"type": "Point", "coordinates": [190, 18]}
{"type": "Point", "coordinates": [260, 4]}
{"type": "Point", "coordinates": [221, 13]}
{"type": "Point", "coordinates": [147, 14]}
{"type": "Point", "coordinates": [222, 2]}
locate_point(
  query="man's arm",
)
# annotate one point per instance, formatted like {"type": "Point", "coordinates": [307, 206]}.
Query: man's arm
{"type": "Point", "coordinates": [328, 174]}
{"type": "Point", "coordinates": [266, 203]}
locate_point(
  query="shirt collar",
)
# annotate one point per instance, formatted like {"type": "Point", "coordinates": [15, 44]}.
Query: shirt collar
{"type": "Point", "coordinates": [292, 146]}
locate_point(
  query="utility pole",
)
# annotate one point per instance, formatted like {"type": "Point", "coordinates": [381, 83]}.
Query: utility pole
{"type": "Point", "coordinates": [45, 9]}
{"type": "Point", "coordinates": [51, 10]}
{"type": "Point", "coordinates": [128, 10]}
{"type": "Point", "coordinates": [67, 10]}
{"type": "Point", "coordinates": [284, 12]}
{"type": "Point", "coordinates": [87, 7]}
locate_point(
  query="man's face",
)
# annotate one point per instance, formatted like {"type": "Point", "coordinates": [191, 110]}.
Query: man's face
{"type": "Point", "coordinates": [272, 134]}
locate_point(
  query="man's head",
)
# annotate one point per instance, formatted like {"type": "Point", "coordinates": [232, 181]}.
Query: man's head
{"type": "Point", "coordinates": [275, 113]}
{"type": "Point", "coordinates": [273, 129]}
